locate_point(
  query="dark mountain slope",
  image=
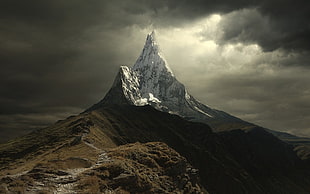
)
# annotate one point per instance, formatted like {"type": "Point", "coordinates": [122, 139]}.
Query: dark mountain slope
{"type": "Point", "coordinates": [272, 162]}
{"type": "Point", "coordinates": [238, 161]}
{"type": "Point", "coordinates": [229, 157]}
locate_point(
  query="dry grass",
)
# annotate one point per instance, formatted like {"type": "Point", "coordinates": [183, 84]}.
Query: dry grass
{"type": "Point", "coordinates": [141, 168]}
{"type": "Point", "coordinates": [91, 184]}
{"type": "Point", "coordinates": [134, 168]}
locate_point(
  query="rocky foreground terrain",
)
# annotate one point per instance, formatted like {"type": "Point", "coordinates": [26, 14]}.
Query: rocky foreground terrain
{"type": "Point", "coordinates": [84, 160]}
{"type": "Point", "coordinates": [133, 168]}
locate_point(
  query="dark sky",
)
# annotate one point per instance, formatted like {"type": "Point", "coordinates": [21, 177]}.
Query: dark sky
{"type": "Point", "coordinates": [249, 58]}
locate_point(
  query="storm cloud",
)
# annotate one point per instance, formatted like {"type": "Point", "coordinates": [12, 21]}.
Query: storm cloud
{"type": "Point", "coordinates": [59, 57]}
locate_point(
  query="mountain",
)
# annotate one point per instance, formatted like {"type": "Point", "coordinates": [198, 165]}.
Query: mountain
{"type": "Point", "coordinates": [151, 81]}
{"type": "Point", "coordinates": [142, 138]}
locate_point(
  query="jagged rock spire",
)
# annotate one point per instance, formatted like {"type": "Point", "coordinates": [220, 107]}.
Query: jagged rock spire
{"type": "Point", "coordinates": [151, 57]}
{"type": "Point", "coordinates": [150, 81]}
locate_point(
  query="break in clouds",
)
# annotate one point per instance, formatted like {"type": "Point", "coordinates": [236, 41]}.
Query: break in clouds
{"type": "Point", "coordinates": [248, 58]}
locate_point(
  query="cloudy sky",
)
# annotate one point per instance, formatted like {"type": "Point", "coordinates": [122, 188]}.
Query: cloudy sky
{"type": "Point", "coordinates": [248, 58]}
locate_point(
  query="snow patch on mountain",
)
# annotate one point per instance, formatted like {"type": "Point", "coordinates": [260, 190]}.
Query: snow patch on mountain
{"type": "Point", "coordinates": [203, 112]}
{"type": "Point", "coordinates": [153, 99]}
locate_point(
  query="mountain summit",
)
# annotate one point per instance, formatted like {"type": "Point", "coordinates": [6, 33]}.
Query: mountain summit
{"type": "Point", "coordinates": [151, 58]}
{"type": "Point", "coordinates": [150, 81]}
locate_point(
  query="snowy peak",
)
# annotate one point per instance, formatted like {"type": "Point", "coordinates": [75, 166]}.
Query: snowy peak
{"type": "Point", "coordinates": [151, 68]}
{"type": "Point", "coordinates": [151, 46]}
{"type": "Point", "coordinates": [151, 82]}
{"type": "Point", "coordinates": [151, 58]}
{"type": "Point", "coordinates": [151, 41]}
